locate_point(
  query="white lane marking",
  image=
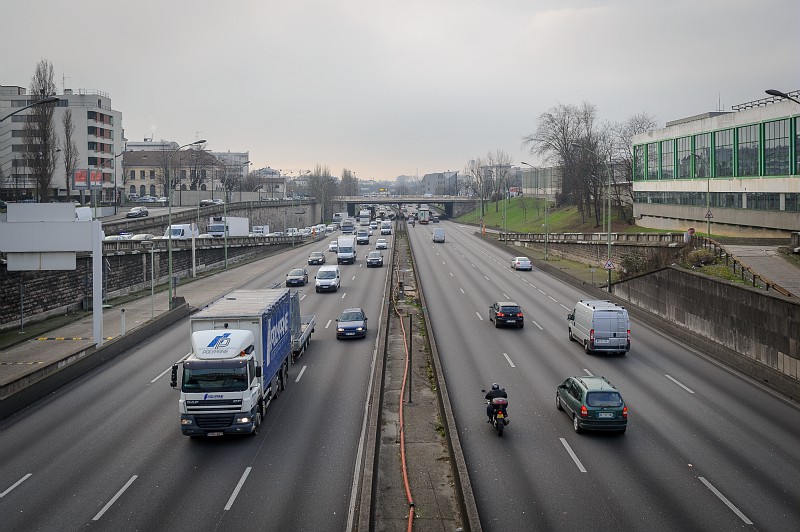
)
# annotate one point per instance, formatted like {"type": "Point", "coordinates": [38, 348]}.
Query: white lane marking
{"type": "Point", "coordinates": [573, 455]}
{"type": "Point", "coordinates": [303, 297]}
{"type": "Point", "coordinates": [486, 278]}
{"type": "Point", "coordinates": [15, 484]}
{"type": "Point", "coordinates": [300, 374]}
{"type": "Point", "coordinates": [451, 274]}
{"type": "Point", "coordinates": [565, 308]}
{"type": "Point", "coordinates": [540, 290]}
{"type": "Point", "coordinates": [479, 316]}
{"type": "Point", "coordinates": [344, 294]}
{"type": "Point", "coordinates": [473, 265]}
{"type": "Point", "coordinates": [724, 499]}
{"type": "Point", "coordinates": [554, 299]}
{"type": "Point", "coordinates": [328, 324]}
{"type": "Point", "coordinates": [589, 373]}
{"type": "Point", "coordinates": [462, 290]}
{"type": "Point", "coordinates": [679, 384]}
{"type": "Point", "coordinates": [354, 277]}
{"type": "Point", "coordinates": [114, 499]}
{"type": "Point", "coordinates": [509, 360]}
{"type": "Point", "coordinates": [506, 296]}
{"type": "Point", "coordinates": [184, 357]}
{"type": "Point", "coordinates": [540, 327]}
{"type": "Point", "coordinates": [443, 262]}
{"type": "Point", "coordinates": [238, 487]}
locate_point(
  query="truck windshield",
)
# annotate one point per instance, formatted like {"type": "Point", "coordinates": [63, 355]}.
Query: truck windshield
{"type": "Point", "coordinates": [214, 378]}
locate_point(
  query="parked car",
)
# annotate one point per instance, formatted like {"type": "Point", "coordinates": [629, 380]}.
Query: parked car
{"type": "Point", "coordinates": [218, 201]}
{"type": "Point", "coordinates": [143, 236]}
{"type": "Point", "coordinates": [333, 247]}
{"type": "Point", "coordinates": [163, 200]}
{"type": "Point", "coordinates": [521, 263]}
{"type": "Point", "coordinates": [351, 324]}
{"type": "Point", "coordinates": [207, 202]}
{"type": "Point", "coordinates": [112, 238]}
{"type": "Point", "coordinates": [374, 258]}
{"type": "Point", "coordinates": [316, 257]}
{"type": "Point", "coordinates": [381, 243]}
{"type": "Point", "coordinates": [137, 212]}
{"type": "Point", "coordinates": [593, 403]}
{"type": "Point", "coordinates": [506, 313]}
{"type": "Point", "coordinates": [297, 277]}
{"type": "Point", "coordinates": [146, 199]}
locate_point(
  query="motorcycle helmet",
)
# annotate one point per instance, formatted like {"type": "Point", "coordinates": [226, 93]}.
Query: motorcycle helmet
{"type": "Point", "coordinates": [495, 386]}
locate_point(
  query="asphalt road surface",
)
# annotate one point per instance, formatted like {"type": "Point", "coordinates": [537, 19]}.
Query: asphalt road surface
{"type": "Point", "coordinates": [705, 449]}
{"type": "Point", "coordinates": [106, 452]}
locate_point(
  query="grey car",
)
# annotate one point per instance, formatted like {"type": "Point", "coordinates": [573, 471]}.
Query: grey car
{"type": "Point", "coordinates": [297, 277]}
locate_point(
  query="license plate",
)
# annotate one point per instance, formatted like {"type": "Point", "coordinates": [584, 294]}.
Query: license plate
{"type": "Point", "coordinates": [605, 414]}
{"type": "Point", "coordinates": [601, 341]}
{"type": "Point", "coordinates": [500, 415]}
{"type": "Point", "coordinates": [511, 321]}
{"type": "Point", "coordinates": [349, 334]}
{"type": "Point", "coordinates": [215, 434]}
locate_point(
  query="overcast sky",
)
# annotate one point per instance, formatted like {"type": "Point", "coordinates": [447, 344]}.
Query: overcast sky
{"type": "Point", "coordinates": [386, 88]}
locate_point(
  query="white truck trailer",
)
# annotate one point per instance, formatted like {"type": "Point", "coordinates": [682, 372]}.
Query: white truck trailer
{"type": "Point", "coordinates": [241, 350]}
{"type": "Point", "coordinates": [235, 225]}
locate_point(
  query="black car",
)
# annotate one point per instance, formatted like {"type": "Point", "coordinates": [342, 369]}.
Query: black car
{"type": "Point", "coordinates": [351, 324]}
{"type": "Point", "coordinates": [316, 257]}
{"type": "Point", "coordinates": [506, 313]}
{"type": "Point", "coordinates": [374, 258]}
{"type": "Point", "coordinates": [297, 277]}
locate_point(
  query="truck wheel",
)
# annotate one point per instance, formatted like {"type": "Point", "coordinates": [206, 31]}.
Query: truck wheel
{"type": "Point", "coordinates": [586, 347]}
{"type": "Point", "coordinates": [256, 423]}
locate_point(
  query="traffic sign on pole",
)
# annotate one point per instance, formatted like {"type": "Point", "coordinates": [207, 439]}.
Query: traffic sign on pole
{"type": "Point", "coordinates": [609, 265]}
{"type": "Point", "coordinates": [709, 215]}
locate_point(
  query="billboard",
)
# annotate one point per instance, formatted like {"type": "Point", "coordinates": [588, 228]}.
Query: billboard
{"type": "Point", "coordinates": [84, 179]}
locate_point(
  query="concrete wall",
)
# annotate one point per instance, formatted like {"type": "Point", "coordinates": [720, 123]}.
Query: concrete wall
{"type": "Point", "coordinates": [759, 331]}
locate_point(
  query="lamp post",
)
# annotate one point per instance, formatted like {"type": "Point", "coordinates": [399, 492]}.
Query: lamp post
{"type": "Point", "coordinates": [780, 94]}
{"type": "Point", "coordinates": [151, 244]}
{"type": "Point", "coordinates": [708, 195]}
{"type": "Point", "coordinates": [169, 216]}
{"type": "Point", "coordinates": [544, 194]}
{"type": "Point", "coordinates": [608, 234]}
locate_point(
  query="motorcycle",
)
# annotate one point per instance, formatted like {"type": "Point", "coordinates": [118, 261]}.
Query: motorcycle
{"type": "Point", "coordinates": [499, 414]}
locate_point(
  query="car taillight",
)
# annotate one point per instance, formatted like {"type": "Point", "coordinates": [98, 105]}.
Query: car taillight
{"type": "Point", "coordinates": [591, 336]}
{"type": "Point", "coordinates": [500, 314]}
{"type": "Point", "coordinates": [584, 412]}
{"type": "Point", "coordinates": [519, 314]}
{"type": "Point", "coordinates": [624, 412]}
{"type": "Point", "coordinates": [629, 333]}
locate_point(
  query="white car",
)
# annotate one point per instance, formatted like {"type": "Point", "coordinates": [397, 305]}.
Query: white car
{"type": "Point", "coordinates": [521, 263]}
{"type": "Point", "coordinates": [381, 243]}
{"type": "Point", "coordinates": [333, 247]}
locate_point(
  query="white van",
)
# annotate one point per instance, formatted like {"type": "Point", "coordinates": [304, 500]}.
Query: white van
{"type": "Point", "coordinates": [328, 278]}
{"type": "Point", "coordinates": [600, 325]}
{"type": "Point", "coordinates": [438, 235]}
{"type": "Point", "coordinates": [346, 249]}
{"type": "Point", "coordinates": [181, 231]}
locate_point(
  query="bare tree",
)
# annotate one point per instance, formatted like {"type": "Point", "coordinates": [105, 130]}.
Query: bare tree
{"type": "Point", "coordinates": [70, 151]}
{"type": "Point", "coordinates": [623, 145]}
{"type": "Point", "coordinates": [349, 183]}
{"type": "Point", "coordinates": [41, 140]}
{"type": "Point", "coordinates": [478, 180]}
{"type": "Point", "coordinates": [322, 186]}
{"type": "Point", "coordinates": [500, 164]}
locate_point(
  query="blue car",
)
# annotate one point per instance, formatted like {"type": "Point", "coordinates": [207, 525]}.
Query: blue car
{"type": "Point", "coordinates": [352, 324]}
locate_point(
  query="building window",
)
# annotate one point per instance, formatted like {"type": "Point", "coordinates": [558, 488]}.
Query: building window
{"type": "Point", "coordinates": [702, 156]}
{"type": "Point", "coordinates": [667, 159]}
{"type": "Point", "coordinates": [723, 153]}
{"type": "Point", "coordinates": [747, 151]}
{"type": "Point", "coordinates": [133, 177]}
{"type": "Point", "coordinates": [153, 175]}
{"type": "Point", "coordinates": [652, 160]}
{"type": "Point", "coordinates": [133, 189]}
{"type": "Point", "coordinates": [684, 157]}
{"type": "Point", "coordinates": [152, 190]}
{"type": "Point", "coordinates": [763, 201]}
{"type": "Point", "coordinates": [792, 202]}
{"type": "Point", "coordinates": [638, 163]}
{"type": "Point", "coordinates": [142, 190]}
{"type": "Point", "coordinates": [141, 176]}
{"type": "Point", "coordinates": [776, 147]}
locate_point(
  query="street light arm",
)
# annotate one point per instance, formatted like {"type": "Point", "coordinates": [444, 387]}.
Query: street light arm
{"type": "Point", "coordinates": [49, 99]}
{"type": "Point", "coordinates": [780, 94]}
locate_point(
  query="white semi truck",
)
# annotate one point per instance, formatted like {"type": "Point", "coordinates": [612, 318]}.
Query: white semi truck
{"type": "Point", "coordinates": [235, 225]}
{"type": "Point", "coordinates": [242, 345]}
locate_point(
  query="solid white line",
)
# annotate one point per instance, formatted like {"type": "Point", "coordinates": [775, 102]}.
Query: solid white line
{"type": "Point", "coordinates": [724, 499]}
{"type": "Point", "coordinates": [479, 316]}
{"type": "Point", "coordinates": [17, 483]}
{"type": "Point", "coordinates": [300, 374]}
{"type": "Point", "coordinates": [462, 290]}
{"type": "Point", "coordinates": [509, 360]}
{"type": "Point", "coordinates": [114, 499]}
{"type": "Point", "coordinates": [540, 327]}
{"type": "Point", "coordinates": [554, 299]}
{"type": "Point", "coordinates": [679, 384]}
{"type": "Point", "coordinates": [572, 454]}
{"type": "Point", "coordinates": [184, 357]}
{"type": "Point", "coordinates": [328, 324]}
{"type": "Point", "coordinates": [589, 373]}
{"type": "Point", "coordinates": [238, 487]}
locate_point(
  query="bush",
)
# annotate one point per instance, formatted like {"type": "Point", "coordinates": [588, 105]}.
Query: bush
{"type": "Point", "coordinates": [700, 257]}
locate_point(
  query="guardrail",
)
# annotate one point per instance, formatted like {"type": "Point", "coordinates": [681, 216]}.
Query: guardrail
{"type": "Point", "coordinates": [746, 274]}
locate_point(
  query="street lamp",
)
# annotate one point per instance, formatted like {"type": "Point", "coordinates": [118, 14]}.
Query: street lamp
{"type": "Point", "coordinates": [49, 99]}
{"type": "Point", "coordinates": [708, 194]}
{"type": "Point", "coordinates": [608, 168]}
{"type": "Point", "coordinates": [169, 216]}
{"type": "Point", "coordinates": [544, 193]}
{"type": "Point", "coordinates": [780, 94]}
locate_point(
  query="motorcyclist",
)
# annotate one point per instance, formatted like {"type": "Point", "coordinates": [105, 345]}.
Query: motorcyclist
{"type": "Point", "coordinates": [496, 391]}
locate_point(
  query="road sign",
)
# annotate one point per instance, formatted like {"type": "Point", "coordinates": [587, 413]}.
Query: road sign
{"type": "Point", "coordinates": [609, 265]}
{"type": "Point", "coordinates": [709, 215]}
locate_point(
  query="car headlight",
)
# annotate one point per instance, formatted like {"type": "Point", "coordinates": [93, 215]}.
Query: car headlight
{"type": "Point", "coordinates": [359, 329]}
{"type": "Point", "coordinates": [340, 329]}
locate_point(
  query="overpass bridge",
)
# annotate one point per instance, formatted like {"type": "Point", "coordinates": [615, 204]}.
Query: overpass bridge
{"type": "Point", "coordinates": [451, 205]}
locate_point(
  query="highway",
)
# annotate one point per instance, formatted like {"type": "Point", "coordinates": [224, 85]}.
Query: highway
{"type": "Point", "coordinates": [705, 449]}
{"type": "Point", "coordinates": [106, 451]}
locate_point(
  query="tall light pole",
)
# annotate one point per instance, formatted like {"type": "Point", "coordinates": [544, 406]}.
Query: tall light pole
{"type": "Point", "coordinates": [608, 234]}
{"type": "Point", "coordinates": [708, 194]}
{"type": "Point", "coordinates": [544, 193]}
{"type": "Point", "coordinates": [169, 216]}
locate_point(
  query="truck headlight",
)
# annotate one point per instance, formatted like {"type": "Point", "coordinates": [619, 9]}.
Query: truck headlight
{"type": "Point", "coordinates": [244, 419]}
{"type": "Point", "coordinates": [186, 421]}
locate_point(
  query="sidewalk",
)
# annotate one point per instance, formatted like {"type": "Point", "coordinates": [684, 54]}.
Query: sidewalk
{"type": "Point", "coordinates": [770, 264]}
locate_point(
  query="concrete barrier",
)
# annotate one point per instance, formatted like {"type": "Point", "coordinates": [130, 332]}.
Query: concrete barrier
{"type": "Point", "coordinates": [32, 387]}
